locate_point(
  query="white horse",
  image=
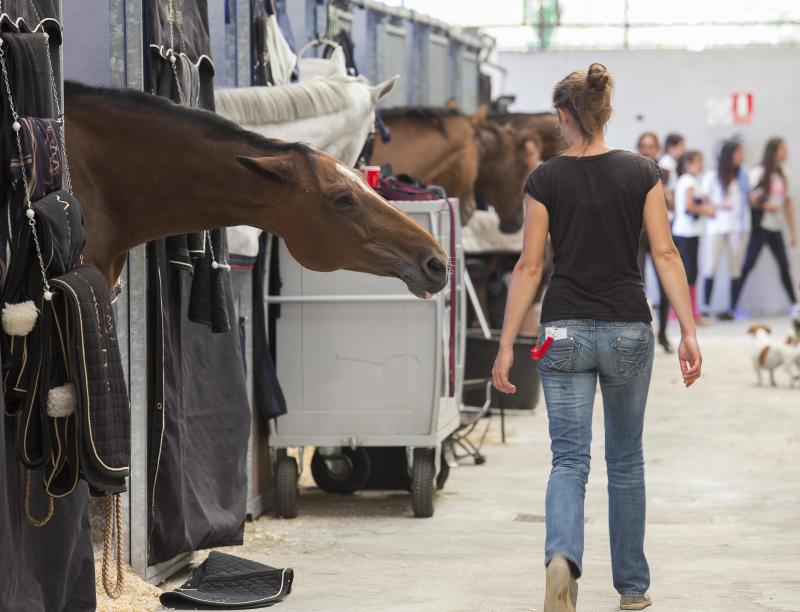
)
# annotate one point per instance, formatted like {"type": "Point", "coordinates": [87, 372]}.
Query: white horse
{"type": "Point", "coordinates": [334, 114]}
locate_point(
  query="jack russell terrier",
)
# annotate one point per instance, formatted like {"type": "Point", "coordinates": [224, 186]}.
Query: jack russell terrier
{"type": "Point", "coordinates": [770, 354]}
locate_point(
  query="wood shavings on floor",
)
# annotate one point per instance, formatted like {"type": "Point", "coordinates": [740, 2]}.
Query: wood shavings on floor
{"type": "Point", "coordinates": [137, 596]}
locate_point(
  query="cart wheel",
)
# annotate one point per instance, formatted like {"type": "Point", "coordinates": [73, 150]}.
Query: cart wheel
{"type": "Point", "coordinates": [422, 485]}
{"type": "Point", "coordinates": [444, 473]}
{"type": "Point", "coordinates": [286, 487]}
{"type": "Point", "coordinates": [343, 473]}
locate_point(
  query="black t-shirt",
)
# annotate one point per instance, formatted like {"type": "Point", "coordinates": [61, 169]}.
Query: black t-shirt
{"type": "Point", "coordinates": [595, 204]}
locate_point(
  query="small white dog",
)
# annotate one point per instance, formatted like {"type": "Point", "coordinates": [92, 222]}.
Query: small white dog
{"type": "Point", "coordinates": [791, 356]}
{"type": "Point", "coordinates": [769, 354]}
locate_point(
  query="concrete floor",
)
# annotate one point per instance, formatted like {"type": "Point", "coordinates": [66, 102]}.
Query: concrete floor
{"type": "Point", "coordinates": [723, 525]}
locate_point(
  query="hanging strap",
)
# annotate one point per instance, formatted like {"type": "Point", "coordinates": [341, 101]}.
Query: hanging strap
{"type": "Point", "coordinates": [113, 527]}
{"type": "Point", "coordinates": [26, 505]}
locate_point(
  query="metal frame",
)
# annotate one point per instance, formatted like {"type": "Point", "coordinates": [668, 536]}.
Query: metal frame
{"type": "Point", "coordinates": [437, 431]}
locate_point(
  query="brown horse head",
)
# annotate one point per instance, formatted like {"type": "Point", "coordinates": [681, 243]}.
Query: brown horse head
{"type": "Point", "coordinates": [331, 219]}
{"type": "Point", "coordinates": [502, 171]}
{"type": "Point", "coordinates": [145, 168]}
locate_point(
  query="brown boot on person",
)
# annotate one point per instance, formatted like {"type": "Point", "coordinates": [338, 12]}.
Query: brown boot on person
{"type": "Point", "coordinates": [634, 602]}
{"type": "Point", "coordinates": [561, 592]}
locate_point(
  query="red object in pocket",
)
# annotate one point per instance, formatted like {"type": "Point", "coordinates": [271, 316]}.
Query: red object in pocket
{"type": "Point", "coordinates": [538, 352]}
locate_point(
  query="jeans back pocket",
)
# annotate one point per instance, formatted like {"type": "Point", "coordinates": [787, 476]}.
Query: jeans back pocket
{"type": "Point", "coordinates": [631, 355]}
{"type": "Point", "coordinates": [561, 355]}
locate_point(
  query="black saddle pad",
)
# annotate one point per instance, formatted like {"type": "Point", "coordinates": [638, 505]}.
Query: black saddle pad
{"type": "Point", "coordinates": [227, 582]}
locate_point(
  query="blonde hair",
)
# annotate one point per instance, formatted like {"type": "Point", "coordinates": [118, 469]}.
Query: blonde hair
{"type": "Point", "coordinates": [586, 95]}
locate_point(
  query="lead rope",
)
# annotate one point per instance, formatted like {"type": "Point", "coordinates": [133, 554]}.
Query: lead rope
{"type": "Point", "coordinates": [173, 60]}
{"type": "Point", "coordinates": [113, 517]}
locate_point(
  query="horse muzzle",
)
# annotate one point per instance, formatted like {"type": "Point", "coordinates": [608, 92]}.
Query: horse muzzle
{"type": "Point", "coordinates": [427, 278]}
{"type": "Point", "coordinates": [512, 225]}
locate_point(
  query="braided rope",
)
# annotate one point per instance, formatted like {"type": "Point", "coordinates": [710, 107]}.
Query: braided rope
{"type": "Point", "coordinates": [26, 505]}
{"type": "Point", "coordinates": [113, 519]}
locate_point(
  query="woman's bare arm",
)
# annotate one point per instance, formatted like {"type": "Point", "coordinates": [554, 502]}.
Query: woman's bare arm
{"type": "Point", "coordinates": [524, 282]}
{"type": "Point", "coordinates": [667, 261]}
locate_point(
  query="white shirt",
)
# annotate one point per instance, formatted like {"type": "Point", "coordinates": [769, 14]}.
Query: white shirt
{"type": "Point", "coordinates": [772, 221]}
{"type": "Point", "coordinates": [685, 224]}
{"type": "Point", "coordinates": [671, 166]}
{"type": "Point", "coordinates": [735, 220]}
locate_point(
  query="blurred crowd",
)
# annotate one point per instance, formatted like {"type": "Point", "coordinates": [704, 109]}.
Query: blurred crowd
{"type": "Point", "coordinates": [719, 208]}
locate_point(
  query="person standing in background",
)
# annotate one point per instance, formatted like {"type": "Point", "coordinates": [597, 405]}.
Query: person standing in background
{"type": "Point", "coordinates": [648, 146]}
{"type": "Point", "coordinates": [727, 190]}
{"type": "Point", "coordinates": [771, 211]}
{"type": "Point", "coordinates": [690, 213]}
{"type": "Point", "coordinates": [674, 148]}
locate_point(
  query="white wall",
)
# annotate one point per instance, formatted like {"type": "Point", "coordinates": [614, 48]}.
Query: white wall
{"type": "Point", "coordinates": [667, 90]}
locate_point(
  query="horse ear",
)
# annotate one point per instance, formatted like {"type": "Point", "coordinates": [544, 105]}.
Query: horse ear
{"type": "Point", "coordinates": [276, 168]}
{"type": "Point", "coordinates": [480, 115]}
{"type": "Point", "coordinates": [381, 90]}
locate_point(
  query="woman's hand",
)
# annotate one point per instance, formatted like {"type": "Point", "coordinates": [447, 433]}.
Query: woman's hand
{"type": "Point", "coordinates": [502, 365]}
{"type": "Point", "coordinates": [689, 359]}
{"type": "Point", "coordinates": [770, 207]}
{"type": "Point", "coordinates": [708, 210]}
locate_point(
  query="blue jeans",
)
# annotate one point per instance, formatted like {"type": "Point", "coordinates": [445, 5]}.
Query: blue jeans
{"type": "Point", "coordinates": [621, 355]}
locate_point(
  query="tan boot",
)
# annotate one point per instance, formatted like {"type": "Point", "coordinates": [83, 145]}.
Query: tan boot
{"type": "Point", "coordinates": [634, 602]}
{"type": "Point", "coordinates": [561, 591]}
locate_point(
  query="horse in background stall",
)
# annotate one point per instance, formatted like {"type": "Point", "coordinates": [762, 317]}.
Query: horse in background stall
{"type": "Point", "coordinates": [502, 172]}
{"type": "Point", "coordinates": [438, 145]}
{"type": "Point", "coordinates": [544, 124]}
{"type": "Point", "coordinates": [144, 168]}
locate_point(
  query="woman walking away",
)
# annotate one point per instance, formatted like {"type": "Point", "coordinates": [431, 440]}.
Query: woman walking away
{"type": "Point", "coordinates": [690, 213]}
{"type": "Point", "coordinates": [648, 146]}
{"type": "Point", "coordinates": [770, 205]}
{"type": "Point", "coordinates": [593, 201]}
{"type": "Point", "coordinates": [727, 190]}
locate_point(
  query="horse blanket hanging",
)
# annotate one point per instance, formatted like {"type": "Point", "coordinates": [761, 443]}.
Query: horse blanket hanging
{"type": "Point", "coordinates": [62, 373]}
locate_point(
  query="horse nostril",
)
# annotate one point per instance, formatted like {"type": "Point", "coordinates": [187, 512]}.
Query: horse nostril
{"type": "Point", "coordinates": [435, 267]}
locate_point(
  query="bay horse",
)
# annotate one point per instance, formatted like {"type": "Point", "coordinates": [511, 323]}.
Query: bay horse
{"type": "Point", "coordinates": [502, 171]}
{"type": "Point", "coordinates": [144, 168]}
{"type": "Point", "coordinates": [545, 124]}
{"type": "Point", "coordinates": [438, 145]}
{"type": "Point", "coordinates": [469, 156]}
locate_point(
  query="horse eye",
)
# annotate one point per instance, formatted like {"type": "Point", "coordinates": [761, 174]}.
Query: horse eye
{"type": "Point", "coordinates": [343, 201]}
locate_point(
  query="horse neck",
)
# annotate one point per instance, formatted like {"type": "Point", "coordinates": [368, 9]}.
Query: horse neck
{"type": "Point", "coordinates": [178, 178]}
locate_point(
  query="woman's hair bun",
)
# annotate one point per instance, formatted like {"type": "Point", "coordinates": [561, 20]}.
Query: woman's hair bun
{"type": "Point", "coordinates": [586, 95]}
{"type": "Point", "coordinates": [597, 77]}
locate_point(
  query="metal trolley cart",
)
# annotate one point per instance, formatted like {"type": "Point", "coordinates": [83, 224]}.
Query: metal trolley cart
{"type": "Point", "coordinates": [363, 363]}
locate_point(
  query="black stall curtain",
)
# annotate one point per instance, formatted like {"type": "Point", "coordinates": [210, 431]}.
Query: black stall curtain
{"type": "Point", "coordinates": [198, 417]}
{"type": "Point", "coordinates": [49, 568]}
